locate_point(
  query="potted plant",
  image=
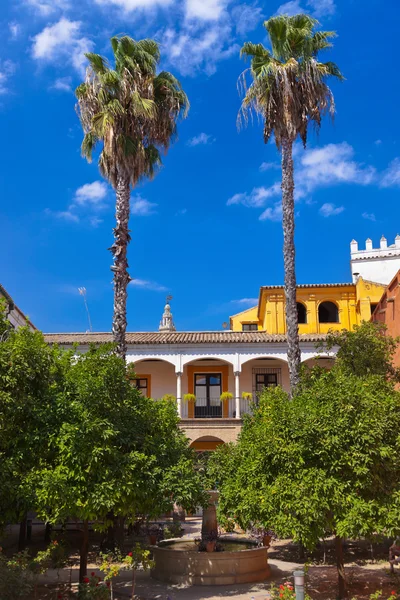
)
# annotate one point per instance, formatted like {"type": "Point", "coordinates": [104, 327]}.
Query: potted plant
{"type": "Point", "coordinates": [209, 541]}
{"type": "Point", "coordinates": [155, 533]}
{"type": "Point", "coordinates": [226, 396]}
{"type": "Point", "coordinates": [189, 398]}
{"type": "Point", "coordinates": [263, 535]}
{"type": "Point", "coordinates": [248, 396]}
{"type": "Point", "coordinates": [169, 398]}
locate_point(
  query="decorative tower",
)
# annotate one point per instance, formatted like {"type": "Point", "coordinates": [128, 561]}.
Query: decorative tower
{"type": "Point", "coordinates": [167, 321]}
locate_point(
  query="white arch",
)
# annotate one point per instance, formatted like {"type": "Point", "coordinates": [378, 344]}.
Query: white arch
{"type": "Point", "coordinates": [189, 359]}
{"type": "Point", "coordinates": [171, 359]}
{"type": "Point", "coordinates": [245, 359]}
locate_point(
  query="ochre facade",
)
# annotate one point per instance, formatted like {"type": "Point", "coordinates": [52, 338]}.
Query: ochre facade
{"type": "Point", "coordinates": [354, 302]}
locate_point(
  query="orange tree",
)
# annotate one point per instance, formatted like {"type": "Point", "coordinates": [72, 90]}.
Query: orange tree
{"type": "Point", "coordinates": [324, 463]}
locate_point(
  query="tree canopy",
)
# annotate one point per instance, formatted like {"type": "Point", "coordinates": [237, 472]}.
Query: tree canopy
{"type": "Point", "coordinates": [289, 84]}
{"type": "Point", "coordinates": [324, 463]}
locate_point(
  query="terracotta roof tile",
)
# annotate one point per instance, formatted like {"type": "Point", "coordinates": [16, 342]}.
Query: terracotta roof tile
{"type": "Point", "coordinates": [178, 337]}
{"type": "Point", "coordinates": [308, 285]}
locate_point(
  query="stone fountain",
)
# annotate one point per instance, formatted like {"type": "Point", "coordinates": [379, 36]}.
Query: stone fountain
{"type": "Point", "coordinates": [240, 560]}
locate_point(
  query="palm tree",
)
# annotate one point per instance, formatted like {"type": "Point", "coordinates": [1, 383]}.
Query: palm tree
{"type": "Point", "coordinates": [288, 91]}
{"type": "Point", "coordinates": [133, 112]}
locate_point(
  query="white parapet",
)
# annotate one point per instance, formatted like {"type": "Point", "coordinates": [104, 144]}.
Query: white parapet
{"type": "Point", "coordinates": [375, 264]}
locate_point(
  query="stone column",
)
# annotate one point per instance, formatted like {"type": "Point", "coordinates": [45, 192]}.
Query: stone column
{"type": "Point", "coordinates": [237, 393]}
{"type": "Point", "coordinates": [179, 393]}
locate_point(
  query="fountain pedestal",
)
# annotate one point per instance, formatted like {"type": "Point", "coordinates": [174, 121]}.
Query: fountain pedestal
{"type": "Point", "coordinates": [179, 561]}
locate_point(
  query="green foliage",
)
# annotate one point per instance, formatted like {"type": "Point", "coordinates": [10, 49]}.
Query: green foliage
{"type": "Point", "coordinates": [31, 376]}
{"type": "Point", "coordinates": [325, 462]}
{"type": "Point", "coordinates": [138, 558]}
{"type": "Point", "coordinates": [289, 85]}
{"type": "Point", "coordinates": [366, 350]}
{"type": "Point", "coordinates": [172, 530]}
{"type": "Point", "coordinates": [115, 450]}
{"type": "Point", "coordinates": [129, 109]}
{"type": "Point", "coordinates": [247, 396]}
{"type": "Point", "coordinates": [92, 588]}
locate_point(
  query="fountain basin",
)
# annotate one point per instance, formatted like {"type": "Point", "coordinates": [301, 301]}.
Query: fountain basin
{"type": "Point", "coordinates": [178, 561]}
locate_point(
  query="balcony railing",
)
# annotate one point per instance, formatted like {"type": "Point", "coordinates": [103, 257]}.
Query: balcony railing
{"type": "Point", "coordinates": [203, 411]}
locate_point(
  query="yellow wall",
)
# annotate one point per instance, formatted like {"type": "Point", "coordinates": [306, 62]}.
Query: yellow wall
{"type": "Point", "coordinates": [246, 316]}
{"type": "Point", "coordinates": [353, 302]}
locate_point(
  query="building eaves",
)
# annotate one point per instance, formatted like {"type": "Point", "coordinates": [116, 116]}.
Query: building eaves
{"type": "Point", "coordinates": [178, 337]}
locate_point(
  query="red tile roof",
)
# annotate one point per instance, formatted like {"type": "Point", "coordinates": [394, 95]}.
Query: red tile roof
{"type": "Point", "coordinates": [178, 337]}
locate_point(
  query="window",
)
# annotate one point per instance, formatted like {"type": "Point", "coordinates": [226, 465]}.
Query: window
{"type": "Point", "coordinates": [141, 384]}
{"type": "Point", "coordinates": [266, 380]}
{"type": "Point", "coordinates": [249, 327]}
{"type": "Point", "coordinates": [301, 313]}
{"type": "Point", "coordinates": [328, 312]}
{"type": "Point", "coordinates": [373, 307]}
{"type": "Point", "coordinates": [207, 388]}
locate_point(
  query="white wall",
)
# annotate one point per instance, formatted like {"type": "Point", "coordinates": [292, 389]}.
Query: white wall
{"type": "Point", "coordinates": [375, 264]}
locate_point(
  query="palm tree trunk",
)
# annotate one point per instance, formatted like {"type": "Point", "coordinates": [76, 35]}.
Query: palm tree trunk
{"type": "Point", "coordinates": [120, 267]}
{"type": "Point", "coordinates": [292, 328]}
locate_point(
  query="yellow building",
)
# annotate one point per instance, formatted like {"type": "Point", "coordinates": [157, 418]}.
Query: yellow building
{"type": "Point", "coordinates": [320, 307]}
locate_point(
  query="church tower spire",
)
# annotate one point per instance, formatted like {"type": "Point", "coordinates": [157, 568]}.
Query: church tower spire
{"type": "Point", "coordinates": [167, 322]}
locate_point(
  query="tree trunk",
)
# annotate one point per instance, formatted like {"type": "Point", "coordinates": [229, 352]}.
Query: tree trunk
{"type": "Point", "coordinates": [22, 535]}
{"type": "Point", "coordinates": [120, 267]}
{"type": "Point", "coordinates": [133, 583]}
{"type": "Point", "coordinates": [292, 328]}
{"type": "Point", "coordinates": [340, 568]}
{"type": "Point", "coordinates": [84, 552]}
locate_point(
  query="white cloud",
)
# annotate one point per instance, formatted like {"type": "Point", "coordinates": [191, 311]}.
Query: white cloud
{"type": "Point", "coordinates": [368, 216]}
{"type": "Point", "coordinates": [246, 301]}
{"type": "Point", "coordinates": [378, 142]}
{"type": "Point", "coordinates": [45, 8]}
{"type": "Point", "coordinates": [15, 30]}
{"type": "Point", "coordinates": [290, 8]}
{"type": "Point", "coordinates": [131, 5]}
{"type": "Point", "coordinates": [318, 8]}
{"type": "Point", "coordinates": [148, 285]}
{"type": "Point", "coordinates": [62, 41]}
{"type": "Point", "coordinates": [95, 221]}
{"type": "Point", "coordinates": [208, 10]}
{"type": "Point", "coordinates": [201, 139]}
{"type": "Point", "coordinates": [329, 210]}
{"type": "Point", "coordinates": [246, 17]}
{"type": "Point", "coordinates": [329, 165]}
{"type": "Point", "coordinates": [272, 213]}
{"type": "Point", "coordinates": [391, 176]}
{"type": "Point", "coordinates": [63, 84]}
{"type": "Point", "coordinates": [322, 8]}
{"type": "Point", "coordinates": [257, 197]}
{"type": "Point", "coordinates": [7, 68]}
{"type": "Point", "coordinates": [181, 212]}
{"type": "Point", "coordinates": [195, 47]}
{"type": "Point", "coordinates": [65, 215]}
{"type": "Point", "coordinates": [267, 166]}
{"type": "Point", "coordinates": [91, 193]}
{"type": "Point", "coordinates": [143, 208]}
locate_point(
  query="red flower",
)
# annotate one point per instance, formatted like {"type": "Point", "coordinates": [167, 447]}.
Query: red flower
{"type": "Point", "coordinates": [108, 584]}
{"type": "Point", "coordinates": [130, 554]}
{"type": "Point", "coordinates": [281, 587]}
{"type": "Point", "coordinates": [86, 580]}
{"type": "Point", "coordinates": [59, 596]}
{"type": "Point", "coordinates": [281, 595]}
{"type": "Point", "coordinates": [93, 573]}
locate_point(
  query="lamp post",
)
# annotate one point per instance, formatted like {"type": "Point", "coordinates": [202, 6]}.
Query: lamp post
{"type": "Point", "coordinates": [299, 584]}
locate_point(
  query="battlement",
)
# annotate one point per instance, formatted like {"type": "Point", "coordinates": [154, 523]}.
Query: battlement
{"type": "Point", "coordinates": [375, 264]}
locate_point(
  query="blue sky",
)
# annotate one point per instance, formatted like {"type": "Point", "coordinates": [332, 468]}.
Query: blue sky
{"type": "Point", "coordinates": [207, 230]}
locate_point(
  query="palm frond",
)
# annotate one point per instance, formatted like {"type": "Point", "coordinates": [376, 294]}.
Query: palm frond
{"type": "Point", "coordinates": [88, 145]}
{"type": "Point", "coordinates": [97, 62]}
